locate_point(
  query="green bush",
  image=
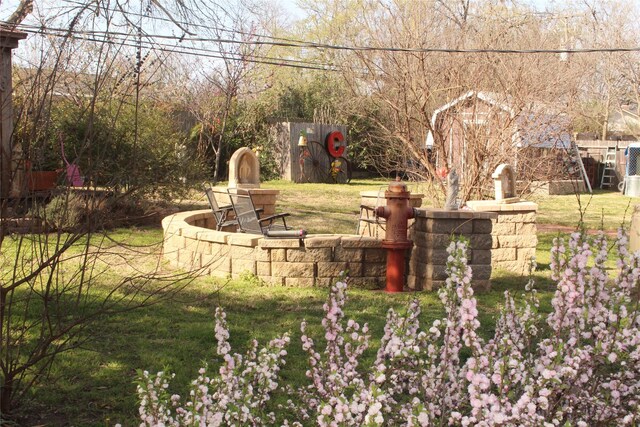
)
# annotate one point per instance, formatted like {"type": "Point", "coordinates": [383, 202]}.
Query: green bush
{"type": "Point", "coordinates": [115, 146]}
{"type": "Point", "coordinates": [63, 212]}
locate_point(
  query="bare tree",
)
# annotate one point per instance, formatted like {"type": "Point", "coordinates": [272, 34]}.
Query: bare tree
{"type": "Point", "coordinates": [398, 80]}
{"type": "Point", "coordinates": [609, 80]}
{"type": "Point", "coordinates": [217, 85]}
{"type": "Point", "coordinates": [59, 270]}
{"type": "Point", "coordinates": [24, 8]}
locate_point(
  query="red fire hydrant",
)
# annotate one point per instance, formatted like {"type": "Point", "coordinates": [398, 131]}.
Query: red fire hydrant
{"type": "Point", "coordinates": [397, 214]}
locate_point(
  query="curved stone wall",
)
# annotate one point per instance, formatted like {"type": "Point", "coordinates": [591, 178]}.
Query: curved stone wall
{"type": "Point", "coordinates": [192, 243]}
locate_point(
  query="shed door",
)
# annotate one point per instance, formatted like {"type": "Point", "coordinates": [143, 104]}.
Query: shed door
{"type": "Point", "coordinates": [474, 156]}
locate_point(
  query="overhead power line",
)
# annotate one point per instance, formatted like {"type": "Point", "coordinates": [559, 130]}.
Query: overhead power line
{"type": "Point", "coordinates": [124, 39]}
{"type": "Point", "coordinates": [221, 28]}
{"type": "Point", "coordinates": [312, 45]}
{"type": "Point", "coordinates": [292, 42]}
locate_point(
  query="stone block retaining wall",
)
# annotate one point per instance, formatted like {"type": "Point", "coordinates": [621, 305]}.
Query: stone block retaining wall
{"type": "Point", "coordinates": [514, 237]}
{"type": "Point", "coordinates": [316, 262]}
{"type": "Point", "coordinates": [431, 236]}
{"type": "Point", "coordinates": [551, 188]}
{"type": "Point", "coordinates": [505, 239]}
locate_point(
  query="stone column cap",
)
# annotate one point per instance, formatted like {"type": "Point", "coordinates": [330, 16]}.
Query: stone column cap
{"type": "Point", "coordinates": [493, 206]}
{"type": "Point", "coordinates": [439, 213]}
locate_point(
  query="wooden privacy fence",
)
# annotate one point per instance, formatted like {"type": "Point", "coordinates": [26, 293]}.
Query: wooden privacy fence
{"type": "Point", "coordinates": [593, 153]}
{"type": "Point", "coordinates": [311, 163]}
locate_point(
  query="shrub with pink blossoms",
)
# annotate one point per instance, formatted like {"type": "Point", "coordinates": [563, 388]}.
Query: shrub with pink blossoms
{"type": "Point", "coordinates": [577, 366]}
{"type": "Point", "coordinates": [236, 396]}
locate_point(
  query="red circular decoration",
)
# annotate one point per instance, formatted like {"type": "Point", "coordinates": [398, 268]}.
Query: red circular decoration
{"type": "Point", "coordinates": [335, 143]}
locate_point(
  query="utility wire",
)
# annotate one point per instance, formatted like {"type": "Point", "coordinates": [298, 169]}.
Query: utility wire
{"type": "Point", "coordinates": [363, 48]}
{"type": "Point", "coordinates": [207, 27]}
{"type": "Point", "coordinates": [298, 41]}
{"type": "Point", "coordinates": [114, 35]}
{"type": "Point", "coordinates": [193, 51]}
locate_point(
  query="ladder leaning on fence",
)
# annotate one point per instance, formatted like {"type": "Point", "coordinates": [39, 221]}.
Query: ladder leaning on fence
{"type": "Point", "coordinates": [583, 171]}
{"type": "Point", "coordinates": [609, 172]}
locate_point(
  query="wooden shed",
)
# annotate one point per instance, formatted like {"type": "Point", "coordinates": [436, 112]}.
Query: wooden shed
{"type": "Point", "coordinates": [477, 131]}
{"type": "Point", "coordinates": [322, 160]}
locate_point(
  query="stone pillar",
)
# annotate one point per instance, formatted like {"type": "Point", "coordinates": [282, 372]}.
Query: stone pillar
{"type": "Point", "coordinates": [263, 198]}
{"type": "Point", "coordinates": [514, 234]}
{"type": "Point", "coordinates": [8, 42]}
{"type": "Point", "coordinates": [432, 234]}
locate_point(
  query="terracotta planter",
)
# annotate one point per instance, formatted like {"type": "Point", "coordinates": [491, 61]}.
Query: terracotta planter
{"type": "Point", "coordinates": [42, 180]}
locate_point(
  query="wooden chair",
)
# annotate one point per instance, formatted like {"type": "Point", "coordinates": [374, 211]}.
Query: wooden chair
{"type": "Point", "coordinates": [368, 220]}
{"type": "Point", "coordinates": [249, 221]}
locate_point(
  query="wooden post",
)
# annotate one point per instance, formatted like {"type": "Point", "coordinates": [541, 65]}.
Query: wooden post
{"type": "Point", "coordinates": [8, 42]}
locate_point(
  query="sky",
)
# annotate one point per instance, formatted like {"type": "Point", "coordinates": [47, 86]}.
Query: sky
{"type": "Point", "coordinates": [292, 6]}
{"type": "Point", "coordinates": [7, 6]}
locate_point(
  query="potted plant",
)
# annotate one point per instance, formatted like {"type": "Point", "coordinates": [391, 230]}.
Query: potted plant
{"type": "Point", "coordinates": [43, 169]}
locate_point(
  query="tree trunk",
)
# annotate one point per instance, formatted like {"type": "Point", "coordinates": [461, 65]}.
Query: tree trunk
{"type": "Point", "coordinates": [6, 392]}
{"type": "Point", "coordinates": [6, 388]}
{"type": "Point", "coordinates": [218, 152]}
{"type": "Point", "coordinates": [605, 122]}
{"type": "Point", "coordinates": [22, 11]}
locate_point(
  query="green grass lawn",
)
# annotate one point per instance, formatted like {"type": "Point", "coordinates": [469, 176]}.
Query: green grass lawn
{"type": "Point", "coordinates": [604, 209]}
{"type": "Point", "coordinates": [324, 208]}
{"type": "Point", "coordinates": [94, 385]}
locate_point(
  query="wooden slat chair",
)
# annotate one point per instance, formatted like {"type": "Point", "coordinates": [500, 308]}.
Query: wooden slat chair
{"type": "Point", "coordinates": [220, 212]}
{"type": "Point", "coordinates": [368, 220]}
{"type": "Point", "coordinates": [249, 221]}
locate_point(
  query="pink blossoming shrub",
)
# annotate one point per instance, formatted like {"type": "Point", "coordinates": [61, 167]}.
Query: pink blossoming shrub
{"type": "Point", "coordinates": [237, 395]}
{"type": "Point", "coordinates": [577, 366]}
